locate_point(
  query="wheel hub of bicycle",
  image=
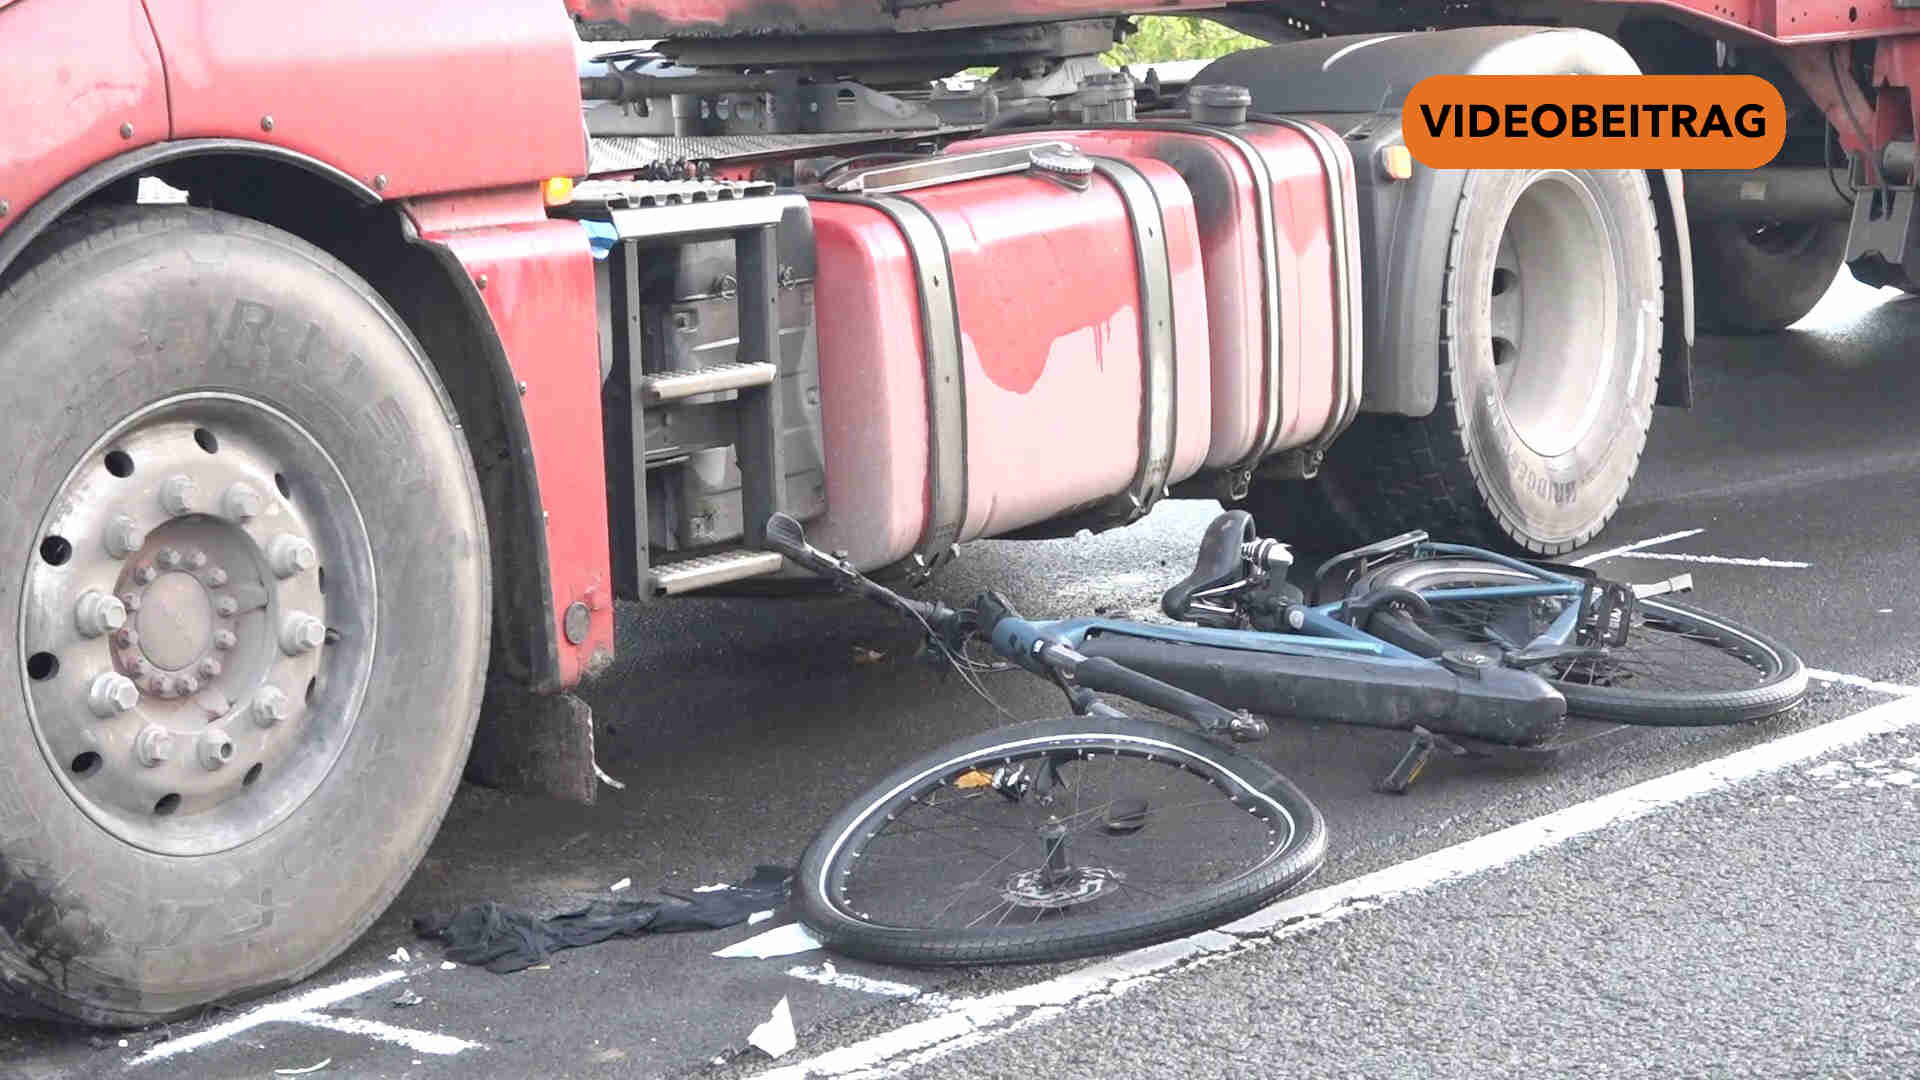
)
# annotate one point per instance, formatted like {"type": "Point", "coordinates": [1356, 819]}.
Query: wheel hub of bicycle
{"type": "Point", "coordinates": [186, 671]}
{"type": "Point", "coordinates": [1043, 888]}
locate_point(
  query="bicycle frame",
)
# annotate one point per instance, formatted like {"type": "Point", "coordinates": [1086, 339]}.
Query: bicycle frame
{"type": "Point", "coordinates": [1321, 633]}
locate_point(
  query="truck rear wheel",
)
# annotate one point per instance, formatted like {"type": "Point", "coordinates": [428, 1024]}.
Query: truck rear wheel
{"type": "Point", "coordinates": [1549, 330]}
{"type": "Point", "coordinates": [1755, 279]}
{"type": "Point", "coordinates": [244, 576]}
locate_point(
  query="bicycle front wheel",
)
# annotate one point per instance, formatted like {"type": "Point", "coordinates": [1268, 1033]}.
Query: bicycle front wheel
{"type": "Point", "coordinates": [1680, 667]}
{"type": "Point", "coordinates": [1053, 840]}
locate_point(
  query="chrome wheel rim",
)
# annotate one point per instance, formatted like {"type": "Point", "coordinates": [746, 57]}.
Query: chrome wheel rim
{"type": "Point", "coordinates": [197, 624]}
{"type": "Point", "coordinates": [1551, 313]}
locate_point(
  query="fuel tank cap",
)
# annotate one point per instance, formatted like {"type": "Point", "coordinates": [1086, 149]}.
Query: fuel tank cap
{"type": "Point", "coordinates": [1219, 103]}
{"type": "Point", "coordinates": [1066, 165]}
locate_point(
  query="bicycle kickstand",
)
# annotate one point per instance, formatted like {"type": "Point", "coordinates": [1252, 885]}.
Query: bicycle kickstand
{"type": "Point", "coordinates": [1411, 763]}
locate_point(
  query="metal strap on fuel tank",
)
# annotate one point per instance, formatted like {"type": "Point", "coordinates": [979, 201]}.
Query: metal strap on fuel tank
{"type": "Point", "coordinates": [1274, 361]}
{"type": "Point", "coordinates": [945, 373]}
{"type": "Point", "coordinates": [1343, 203]}
{"type": "Point", "coordinates": [1158, 371]}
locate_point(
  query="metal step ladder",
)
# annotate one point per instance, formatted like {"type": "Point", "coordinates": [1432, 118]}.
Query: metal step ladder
{"type": "Point", "coordinates": [655, 214]}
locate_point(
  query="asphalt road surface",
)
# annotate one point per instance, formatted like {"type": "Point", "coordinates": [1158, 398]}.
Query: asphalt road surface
{"type": "Point", "coordinates": [1753, 918]}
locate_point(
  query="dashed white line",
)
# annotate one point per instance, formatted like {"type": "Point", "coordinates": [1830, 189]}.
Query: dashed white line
{"type": "Point", "coordinates": [1718, 560]}
{"type": "Point", "coordinates": [1599, 556]}
{"type": "Point", "coordinates": [826, 975]}
{"type": "Point", "coordinates": [1900, 689]}
{"type": "Point", "coordinates": [420, 1042]}
{"type": "Point", "coordinates": [971, 1022]}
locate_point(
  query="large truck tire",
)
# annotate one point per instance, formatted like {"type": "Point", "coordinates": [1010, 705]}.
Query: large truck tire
{"type": "Point", "coordinates": [245, 596]}
{"type": "Point", "coordinates": [1755, 279]}
{"type": "Point", "coordinates": [1549, 355]}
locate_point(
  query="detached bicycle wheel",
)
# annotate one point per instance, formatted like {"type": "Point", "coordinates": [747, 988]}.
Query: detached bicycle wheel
{"type": "Point", "coordinates": [1054, 840]}
{"type": "Point", "coordinates": [1680, 667]}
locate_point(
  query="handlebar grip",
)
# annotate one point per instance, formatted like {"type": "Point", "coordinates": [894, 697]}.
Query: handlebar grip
{"type": "Point", "coordinates": [1101, 673]}
{"type": "Point", "coordinates": [785, 536]}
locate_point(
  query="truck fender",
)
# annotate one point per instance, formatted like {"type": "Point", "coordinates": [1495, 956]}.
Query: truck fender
{"type": "Point", "coordinates": [1356, 84]}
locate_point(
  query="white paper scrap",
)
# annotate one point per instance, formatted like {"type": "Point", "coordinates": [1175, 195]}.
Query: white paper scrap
{"type": "Point", "coordinates": [779, 941]}
{"type": "Point", "coordinates": [623, 883]}
{"type": "Point", "coordinates": [776, 1035]}
{"type": "Point", "coordinates": [759, 917]}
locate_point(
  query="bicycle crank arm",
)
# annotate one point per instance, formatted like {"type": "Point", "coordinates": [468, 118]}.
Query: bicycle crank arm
{"type": "Point", "coordinates": [1485, 702]}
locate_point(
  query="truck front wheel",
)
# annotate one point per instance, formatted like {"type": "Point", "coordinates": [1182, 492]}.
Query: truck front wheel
{"type": "Point", "coordinates": [1549, 353]}
{"type": "Point", "coordinates": [244, 582]}
{"type": "Point", "coordinates": [1755, 279]}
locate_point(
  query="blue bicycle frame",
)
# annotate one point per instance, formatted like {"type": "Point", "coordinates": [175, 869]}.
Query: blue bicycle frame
{"type": "Point", "coordinates": [1320, 634]}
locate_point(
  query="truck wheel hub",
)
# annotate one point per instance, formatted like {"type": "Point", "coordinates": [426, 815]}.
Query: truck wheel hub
{"type": "Point", "coordinates": [198, 624]}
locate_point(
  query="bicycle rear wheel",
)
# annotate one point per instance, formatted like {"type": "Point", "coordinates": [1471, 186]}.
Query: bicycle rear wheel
{"type": "Point", "coordinates": [1053, 840]}
{"type": "Point", "coordinates": [1680, 667]}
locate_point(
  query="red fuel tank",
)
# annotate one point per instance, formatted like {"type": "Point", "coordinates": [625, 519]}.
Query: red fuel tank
{"type": "Point", "coordinates": [1006, 338]}
{"type": "Point", "coordinates": [1278, 223]}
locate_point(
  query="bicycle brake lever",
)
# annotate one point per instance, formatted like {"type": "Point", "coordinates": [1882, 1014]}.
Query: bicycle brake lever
{"type": "Point", "coordinates": [785, 536]}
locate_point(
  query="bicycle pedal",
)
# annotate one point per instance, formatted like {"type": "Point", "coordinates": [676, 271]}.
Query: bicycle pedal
{"type": "Point", "coordinates": [1411, 764]}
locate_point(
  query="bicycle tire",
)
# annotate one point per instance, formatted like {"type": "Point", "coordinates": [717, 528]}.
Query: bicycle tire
{"type": "Point", "coordinates": [822, 892]}
{"type": "Point", "coordinates": [1780, 678]}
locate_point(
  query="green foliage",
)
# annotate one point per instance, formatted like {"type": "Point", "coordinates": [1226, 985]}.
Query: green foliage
{"type": "Point", "coordinates": [1178, 37]}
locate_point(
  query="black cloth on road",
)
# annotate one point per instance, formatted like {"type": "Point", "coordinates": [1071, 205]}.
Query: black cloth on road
{"type": "Point", "coordinates": [503, 939]}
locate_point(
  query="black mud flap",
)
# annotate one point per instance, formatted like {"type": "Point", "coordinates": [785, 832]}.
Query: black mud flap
{"type": "Point", "coordinates": [534, 744]}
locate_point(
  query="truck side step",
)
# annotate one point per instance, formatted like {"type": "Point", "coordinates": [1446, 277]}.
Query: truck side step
{"type": "Point", "coordinates": [672, 386]}
{"type": "Point", "coordinates": [703, 571]}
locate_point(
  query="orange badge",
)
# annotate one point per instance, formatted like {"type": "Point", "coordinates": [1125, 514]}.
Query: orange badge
{"type": "Point", "coordinates": [1593, 122]}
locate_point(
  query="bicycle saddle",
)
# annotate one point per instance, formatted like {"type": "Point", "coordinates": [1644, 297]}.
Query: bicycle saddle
{"type": "Point", "coordinates": [1219, 564]}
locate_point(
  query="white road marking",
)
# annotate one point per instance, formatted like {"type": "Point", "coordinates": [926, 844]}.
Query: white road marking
{"type": "Point", "coordinates": [826, 975]}
{"type": "Point", "coordinates": [272, 1012]}
{"type": "Point", "coordinates": [1717, 560]}
{"type": "Point", "coordinates": [1900, 689]}
{"type": "Point", "coordinates": [420, 1042]}
{"type": "Point", "coordinates": [1600, 556]}
{"type": "Point", "coordinates": [304, 1009]}
{"type": "Point", "coordinates": [971, 1022]}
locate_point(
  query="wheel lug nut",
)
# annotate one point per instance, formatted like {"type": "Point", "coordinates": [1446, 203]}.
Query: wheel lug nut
{"type": "Point", "coordinates": [124, 537]}
{"type": "Point", "coordinates": [168, 559]}
{"type": "Point", "coordinates": [142, 670]}
{"type": "Point", "coordinates": [188, 684]}
{"type": "Point", "coordinates": [224, 640]}
{"type": "Point", "coordinates": [111, 694]}
{"type": "Point", "coordinates": [216, 577]}
{"type": "Point", "coordinates": [177, 495]}
{"type": "Point", "coordinates": [301, 633]}
{"type": "Point", "coordinates": [197, 560]}
{"type": "Point", "coordinates": [290, 555]}
{"type": "Point", "coordinates": [242, 502]}
{"type": "Point", "coordinates": [130, 601]}
{"type": "Point", "coordinates": [98, 613]}
{"type": "Point", "coordinates": [209, 667]}
{"type": "Point", "coordinates": [226, 606]}
{"type": "Point", "coordinates": [270, 706]}
{"type": "Point", "coordinates": [145, 575]}
{"type": "Point", "coordinates": [153, 746]}
{"type": "Point", "coordinates": [164, 686]}
{"type": "Point", "coordinates": [126, 637]}
{"type": "Point", "coordinates": [214, 748]}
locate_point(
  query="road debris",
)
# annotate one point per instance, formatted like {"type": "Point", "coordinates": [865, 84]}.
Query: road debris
{"type": "Point", "coordinates": [313, 1068]}
{"type": "Point", "coordinates": [504, 940]}
{"type": "Point", "coordinates": [779, 941]}
{"type": "Point", "coordinates": [621, 885]}
{"type": "Point", "coordinates": [400, 955]}
{"type": "Point", "coordinates": [775, 1037]}
{"type": "Point", "coordinates": [407, 1000]}
{"type": "Point", "coordinates": [448, 965]}
{"type": "Point", "coordinates": [759, 917]}
{"type": "Point", "coordinates": [864, 655]}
